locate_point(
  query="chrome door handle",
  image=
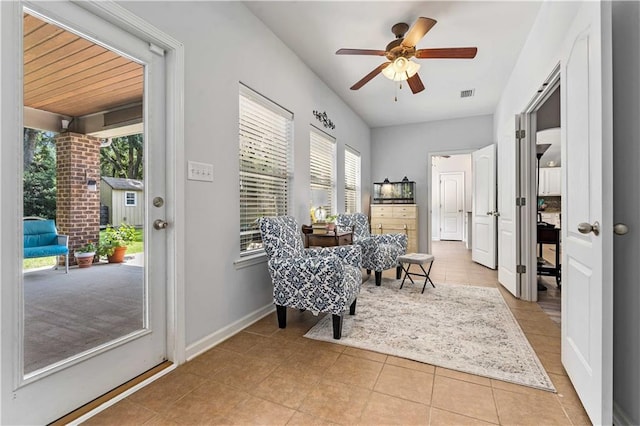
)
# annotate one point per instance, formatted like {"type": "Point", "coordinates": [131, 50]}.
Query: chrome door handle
{"type": "Point", "coordinates": [160, 224]}
{"type": "Point", "coordinates": [496, 214]}
{"type": "Point", "coordinates": [620, 229]}
{"type": "Point", "coordinates": [585, 228]}
{"type": "Point", "coordinates": [489, 213]}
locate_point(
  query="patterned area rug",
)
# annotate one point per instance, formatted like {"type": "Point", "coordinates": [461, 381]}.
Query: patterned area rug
{"type": "Point", "coordinates": [464, 328]}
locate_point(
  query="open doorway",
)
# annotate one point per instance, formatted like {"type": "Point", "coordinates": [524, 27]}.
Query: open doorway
{"type": "Point", "coordinates": [541, 181]}
{"type": "Point", "coordinates": [549, 211]}
{"type": "Point", "coordinates": [451, 198]}
{"type": "Point", "coordinates": [77, 94]}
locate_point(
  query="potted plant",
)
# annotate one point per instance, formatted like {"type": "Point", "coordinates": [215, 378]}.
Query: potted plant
{"type": "Point", "coordinates": [85, 254]}
{"type": "Point", "coordinates": [331, 222]}
{"type": "Point", "coordinates": [113, 242]}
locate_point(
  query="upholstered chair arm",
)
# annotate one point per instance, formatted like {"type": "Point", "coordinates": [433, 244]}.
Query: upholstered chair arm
{"type": "Point", "coordinates": [315, 283]}
{"type": "Point", "coordinates": [399, 239]}
{"type": "Point", "coordinates": [343, 228]}
{"type": "Point", "coordinates": [350, 254]}
{"type": "Point", "coordinates": [309, 269]}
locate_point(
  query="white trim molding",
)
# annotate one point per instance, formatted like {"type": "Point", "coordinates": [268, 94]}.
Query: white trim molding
{"type": "Point", "coordinates": [223, 334]}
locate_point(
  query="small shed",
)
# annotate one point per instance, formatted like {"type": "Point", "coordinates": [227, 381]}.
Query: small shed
{"type": "Point", "coordinates": [124, 199]}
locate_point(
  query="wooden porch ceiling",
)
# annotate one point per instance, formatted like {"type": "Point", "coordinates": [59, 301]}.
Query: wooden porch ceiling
{"type": "Point", "coordinates": [68, 75]}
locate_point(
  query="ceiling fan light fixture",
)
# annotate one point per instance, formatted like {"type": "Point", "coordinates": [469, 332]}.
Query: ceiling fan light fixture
{"type": "Point", "coordinates": [401, 69]}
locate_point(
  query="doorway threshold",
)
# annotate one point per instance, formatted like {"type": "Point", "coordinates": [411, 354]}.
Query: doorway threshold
{"type": "Point", "coordinates": [114, 395]}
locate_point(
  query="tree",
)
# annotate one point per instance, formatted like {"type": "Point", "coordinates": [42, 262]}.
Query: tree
{"type": "Point", "coordinates": [123, 158]}
{"type": "Point", "coordinates": [30, 138]}
{"type": "Point", "coordinates": [39, 179]}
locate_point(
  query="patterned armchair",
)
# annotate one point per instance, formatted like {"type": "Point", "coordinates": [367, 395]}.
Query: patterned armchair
{"type": "Point", "coordinates": [379, 252]}
{"type": "Point", "coordinates": [320, 280]}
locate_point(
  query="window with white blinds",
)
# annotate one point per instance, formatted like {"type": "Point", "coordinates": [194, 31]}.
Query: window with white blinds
{"type": "Point", "coordinates": [352, 191]}
{"type": "Point", "coordinates": [323, 170]}
{"type": "Point", "coordinates": [266, 135]}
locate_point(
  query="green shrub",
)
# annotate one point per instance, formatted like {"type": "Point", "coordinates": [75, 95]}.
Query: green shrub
{"type": "Point", "coordinates": [115, 237]}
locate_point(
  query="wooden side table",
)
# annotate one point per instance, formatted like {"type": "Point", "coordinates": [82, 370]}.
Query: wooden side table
{"type": "Point", "coordinates": [330, 239]}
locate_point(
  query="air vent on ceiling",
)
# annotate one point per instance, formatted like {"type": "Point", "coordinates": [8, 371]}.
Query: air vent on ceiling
{"type": "Point", "coordinates": [467, 93]}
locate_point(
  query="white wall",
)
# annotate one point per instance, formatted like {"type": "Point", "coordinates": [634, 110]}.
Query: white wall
{"type": "Point", "coordinates": [455, 163]}
{"type": "Point", "coordinates": [626, 209]}
{"type": "Point", "coordinates": [225, 43]}
{"type": "Point", "coordinates": [399, 151]}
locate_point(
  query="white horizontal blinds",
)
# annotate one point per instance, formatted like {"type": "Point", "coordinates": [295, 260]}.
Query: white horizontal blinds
{"type": "Point", "coordinates": [352, 191]}
{"type": "Point", "coordinates": [323, 167]}
{"type": "Point", "coordinates": [266, 134]}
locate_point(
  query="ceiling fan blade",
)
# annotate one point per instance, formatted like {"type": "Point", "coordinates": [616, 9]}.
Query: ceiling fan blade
{"type": "Point", "coordinates": [419, 29]}
{"type": "Point", "coordinates": [369, 76]}
{"type": "Point", "coordinates": [360, 52]}
{"type": "Point", "coordinates": [415, 83]}
{"type": "Point", "coordinates": [447, 53]}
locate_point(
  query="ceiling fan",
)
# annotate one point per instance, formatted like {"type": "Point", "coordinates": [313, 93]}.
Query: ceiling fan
{"type": "Point", "coordinates": [402, 49]}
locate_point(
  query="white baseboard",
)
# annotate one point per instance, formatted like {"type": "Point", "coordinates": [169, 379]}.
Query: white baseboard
{"type": "Point", "coordinates": [215, 338]}
{"type": "Point", "coordinates": [620, 418]}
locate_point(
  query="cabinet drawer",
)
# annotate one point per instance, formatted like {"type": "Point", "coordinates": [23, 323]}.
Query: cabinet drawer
{"type": "Point", "coordinates": [394, 223]}
{"type": "Point", "coordinates": [404, 211]}
{"type": "Point", "coordinates": [344, 240]}
{"type": "Point", "coordinates": [381, 211]}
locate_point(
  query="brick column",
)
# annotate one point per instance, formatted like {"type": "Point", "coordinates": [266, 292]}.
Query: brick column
{"type": "Point", "coordinates": [78, 207]}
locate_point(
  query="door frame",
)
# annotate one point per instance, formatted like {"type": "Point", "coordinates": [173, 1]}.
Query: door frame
{"type": "Point", "coordinates": [11, 119]}
{"type": "Point", "coordinates": [430, 156]}
{"type": "Point", "coordinates": [526, 171]}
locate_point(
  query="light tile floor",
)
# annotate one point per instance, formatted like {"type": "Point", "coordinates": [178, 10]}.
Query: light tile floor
{"type": "Point", "coordinates": [264, 375]}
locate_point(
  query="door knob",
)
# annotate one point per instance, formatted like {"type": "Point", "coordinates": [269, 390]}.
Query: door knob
{"type": "Point", "coordinates": [160, 224]}
{"type": "Point", "coordinates": [620, 229]}
{"type": "Point", "coordinates": [585, 228]}
{"type": "Point", "coordinates": [489, 213]}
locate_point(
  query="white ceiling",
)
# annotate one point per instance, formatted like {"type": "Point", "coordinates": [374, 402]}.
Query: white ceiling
{"type": "Point", "coordinates": [314, 30]}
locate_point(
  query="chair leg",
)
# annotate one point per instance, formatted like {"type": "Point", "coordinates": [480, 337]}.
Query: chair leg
{"type": "Point", "coordinates": [352, 308]}
{"type": "Point", "coordinates": [378, 278]}
{"type": "Point", "coordinates": [282, 316]}
{"type": "Point", "coordinates": [66, 264]}
{"type": "Point", "coordinates": [337, 326]}
{"type": "Point", "coordinates": [398, 272]}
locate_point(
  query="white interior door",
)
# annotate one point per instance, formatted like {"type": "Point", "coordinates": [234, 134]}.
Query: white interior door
{"type": "Point", "coordinates": [49, 393]}
{"type": "Point", "coordinates": [508, 219]}
{"type": "Point", "coordinates": [451, 206]}
{"type": "Point", "coordinates": [587, 265]}
{"type": "Point", "coordinates": [484, 207]}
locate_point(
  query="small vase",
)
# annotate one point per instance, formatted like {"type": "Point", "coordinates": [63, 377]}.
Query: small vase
{"type": "Point", "coordinates": [84, 260]}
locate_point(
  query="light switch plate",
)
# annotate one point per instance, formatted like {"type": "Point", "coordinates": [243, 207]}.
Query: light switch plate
{"type": "Point", "coordinates": [200, 171]}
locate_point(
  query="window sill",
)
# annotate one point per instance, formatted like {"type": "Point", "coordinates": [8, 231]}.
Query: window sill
{"type": "Point", "coordinates": [250, 260]}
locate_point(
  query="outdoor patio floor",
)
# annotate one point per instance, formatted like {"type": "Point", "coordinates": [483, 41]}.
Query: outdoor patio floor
{"type": "Point", "coordinates": [67, 314]}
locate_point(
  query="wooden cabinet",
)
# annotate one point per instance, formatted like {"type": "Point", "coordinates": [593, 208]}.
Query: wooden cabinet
{"type": "Point", "coordinates": [550, 181]}
{"type": "Point", "coordinates": [396, 219]}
